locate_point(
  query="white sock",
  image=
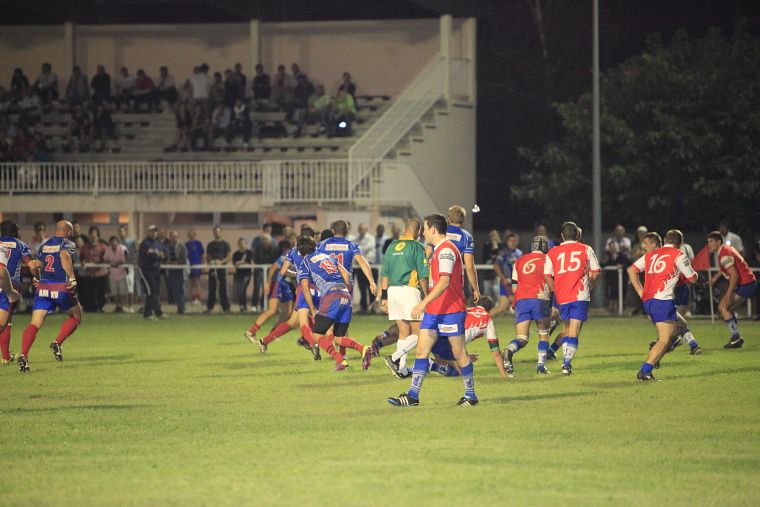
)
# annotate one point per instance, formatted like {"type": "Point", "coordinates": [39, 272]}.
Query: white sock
{"type": "Point", "coordinates": [403, 347]}
{"type": "Point", "coordinates": [689, 338]}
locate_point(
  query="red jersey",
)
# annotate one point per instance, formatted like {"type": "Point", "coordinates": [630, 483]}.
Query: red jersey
{"type": "Point", "coordinates": [727, 257]}
{"type": "Point", "coordinates": [447, 260]}
{"type": "Point", "coordinates": [569, 263]}
{"type": "Point", "coordinates": [478, 323]}
{"type": "Point", "coordinates": [662, 268]}
{"type": "Point", "coordinates": [528, 274]}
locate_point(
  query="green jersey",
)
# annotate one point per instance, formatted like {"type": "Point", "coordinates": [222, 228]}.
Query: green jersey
{"type": "Point", "coordinates": [405, 263]}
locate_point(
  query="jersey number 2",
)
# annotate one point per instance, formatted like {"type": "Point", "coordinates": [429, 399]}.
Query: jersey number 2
{"type": "Point", "coordinates": [49, 260]}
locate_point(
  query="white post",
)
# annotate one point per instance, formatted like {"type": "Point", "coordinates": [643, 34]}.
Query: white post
{"type": "Point", "coordinates": [254, 46]}
{"type": "Point", "coordinates": [620, 291]}
{"type": "Point", "coordinates": [712, 306]}
{"type": "Point", "coordinates": [470, 29]}
{"type": "Point", "coordinates": [445, 29]}
{"type": "Point", "coordinates": [69, 46]}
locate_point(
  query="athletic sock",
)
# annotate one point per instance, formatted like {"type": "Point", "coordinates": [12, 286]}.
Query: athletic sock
{"type": "Point", "coordinates": [279, 330]}
{"type": "Point", "coordinates": [554, 346]}
{"type": "Point", "coordinates": [517, 344]}
{"type": "Point", "coordinates": [348, 342]}
{"type": "Point", "coordinates": [27, 339]}
{"type": "Point", "coordinates": [67, 329]}
{"type": "Point", "coordinates": [468, 378]}
{"type": "Point", "coordinates": [403, 347]}
{"type": "Point", "coordinates": [419, 372]}
{"type": "Point", "coordinates": [308, 335]}
{"type": "Point", "coordinates": [542, 348]}
{"type": "Point", "coordinates": [646, 368]}
{"type": "Point", "coordinates": [569, 347]}
{"type": "Point", "coordinates": [378, 342]}
{"type": "Point", "coordinates": [5, 342]}
{"type": "Point", "coordinates": [733, 325]}
{"type": "Point", "coordinates": [254, 328]}
{"type": "Point", "coordinates": [690, 339]}
{"type": "Point", "coordinates": [328, 346]}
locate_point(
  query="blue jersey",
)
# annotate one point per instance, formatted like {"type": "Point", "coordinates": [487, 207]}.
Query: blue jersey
{"type": "Point", "coordinates": [461, 239]}
{"type": "Point", "coordinates": [340, 249]}
{"type": "Point", "coordinates": [507, 258]}
{"type": "Point", "coordinates": [49, 254]}
{"type": "Point", "coordinates": [323, 271]}
{"type": "Point", "coordinates": [294, 258]}
{"type": "Point", "coordinates": [194, 252]}
{"type": "Point", "coordinates": [17, 254]}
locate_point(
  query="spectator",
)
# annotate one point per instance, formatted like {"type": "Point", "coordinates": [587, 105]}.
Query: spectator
{"type": "Point", "coordinates": [116, 256]}
{"type": "Point", "coordinates": [264, 252]}
{"type": "Point", "coordinates": [101, 86]}
{"type": "Point", "coordinates": [637, 250]}
{"type": "Point", "coordinates": [96, 276]}
{"type": "Point", "coordinates": [297, 74]}
{"type": "Point", "coordinates": [195, 253]}
{"type": "Point", "coordinates": [184, 125]}
{"type": "Point", "coordinates": [150, 257]}
{"type": "Point", "coordinates": [145, 92]}
{"type": "Point", "coordinates": [79, 127]}
{"type": "Point", "coordinates": [317, 109]}
{"type": "Point", "coordinates": [102, 125]}
{"type": "Point", "coordinates": [22, 145]}
{"type": "Point", "coordinates": [77, 91]}
{"type": "Point", "coordinates": [348, 86]}
{"type": "Point", "coordinates": [217, 90]}
{"type": "Point", "coordinates": [220, 122]}
{"type": "Point", "coordinates": [175, 278]}
{"type": "Point", "coordinates": [167, 88]}
{"type": "Point", "coordinates": [19, 83]}
{"type": "Point", "coordinates": [380, 239]}
{"type": "Point", "coordinates": [540, 230]}
{"type": "Point", "coordinates": [232, 90]}
{"type": "Point", "coordinates": [218, 253]}
{"type": "Point", "coordinates": [614, 257]}
{"type": "Point", "coordinates": [38, 238]}
{"type": "Point", "coordinates": [131, 246]}
{"type": "Point", "coordinates": [342, 115]}
{"type": "Point", "coordinates": [395, 234]}
{"type": "Point", "coordinates": [241, 80]}
{"type": "Point", "coordinates": [366, 244]}
{"type": "Point", "coordinates": [301, 94]}
{"type": "Point", "coordinates": [262, 86]}
{"type": "Point", "coordinates": [240, 122]}
{"type": "Point", "coordinates": [30, 108]}
{"type": "Point", "coordinates": [730, 238]}
{"type": "Point", "coordinates": [242, 277]}
{"type": "Point", "coordinates": [624, 244]}
{"type": "Point", "coordinates": [47, 85]}
{"type": "Point", "coordinates": [491, 251]}
{"type": "Point", "coordinates": [200, 127]}
{"type": "Point", "coordinates": [282, 91]}
{"type": "Point", "coordinates": [125, 87]}
{"type": "Point", "coordinates": [200, 85]}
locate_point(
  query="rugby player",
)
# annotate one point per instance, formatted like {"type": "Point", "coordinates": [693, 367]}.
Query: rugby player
{"type": "Point", "coordinates": [465, 244]}
{"type": "Point", "coordinates": [503, 267]}
{"type": "Point", "coordinates": [14, 254]}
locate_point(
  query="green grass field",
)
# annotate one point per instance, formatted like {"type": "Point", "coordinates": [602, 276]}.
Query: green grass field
{"type": "Point", "coordinates": [185, 412]}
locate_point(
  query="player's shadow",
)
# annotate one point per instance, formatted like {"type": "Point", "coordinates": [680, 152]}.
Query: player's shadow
{"type": "Point", "coordinates": [714, 373]}
{"type": "Point", "coordinates": [540, 397]}
{"type": "Point", "coordinates": [114, 357]}
{"type": "Point", "coordinates": [69, 408]}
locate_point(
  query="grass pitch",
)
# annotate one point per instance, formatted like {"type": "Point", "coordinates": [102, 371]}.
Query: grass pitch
{"type": "Point", "coordinates": [185, 412]}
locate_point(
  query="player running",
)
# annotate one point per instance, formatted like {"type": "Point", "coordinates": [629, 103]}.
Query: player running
{"type": "Point", "coordinates": [443, 311]}
{"type": "Point", "coordinates": [335, 302]}
{"type": "Point", "coordinates": [570, 269]}
{"type": "Point", "coordinates": [404, 272]}
{"type": "Point", "coordinates": [662, 267]}
{"type": "Point", "coordinates": [465, 244]}
{"type": "Point", "coordinates": [532, 303]}
{"type": "Point", "coordinates": [742, 284]}
{"type": "Point", "coordinates": [503, 266]}
{"type": "Point", "coordinates": [54, 270]}
{"type": "Point", "coordinates": [14, 254]}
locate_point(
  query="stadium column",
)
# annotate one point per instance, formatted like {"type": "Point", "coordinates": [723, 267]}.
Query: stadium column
{"type": "Point", "coordinates": [69, 45]}
{"type": "Point", "coordinates": [445, 36]}
{"type": "Point", "coordinates": [470, 28]}
{"type": "Point", "coordinates": [254, 44]}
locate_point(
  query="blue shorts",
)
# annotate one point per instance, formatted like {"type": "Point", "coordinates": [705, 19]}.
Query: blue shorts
{"type": "Point", "coordinates": [576, 310]}
{"type": "Point", "coordinates": [336, 306]}
{"type": "Point", "coordinates": [442, 349]}
{"type": "Point", "coordinates": [747, 290]}
{"type": "Point", "coordinates": [301, 301]}
{"type": "Point", "coordinates": [5, 304]}
{"type": "Point", "coordinates": [553, 301]}
{"type": "Point", "coordinates": [681, 295]}
{"type": "Point", "coordinates": [505, 290]}
{"type": "Point", "coordinates": [445, 324]}
{"type": "Point", "coordinates": [282, 291]}
{"type": "Point", "coordinates": [531, 309]}
{"type": "Point", "coordinates": [660, 310]}
{"type": "Point", "coordinates": [48, 297]}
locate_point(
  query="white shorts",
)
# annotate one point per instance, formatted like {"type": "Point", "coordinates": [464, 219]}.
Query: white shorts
{"type": "Point", "coordinates": [118, 287]}
{"type": "Point", "coordinates": [130, 280]}
{"type": "Point", "coordinates": [401, 302]}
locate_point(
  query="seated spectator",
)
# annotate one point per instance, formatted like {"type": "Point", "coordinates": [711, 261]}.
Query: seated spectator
{"type": "Point", "coordinates": [199, 127]}
{"type": "Point", "coordinates": [79, 127]}
{"type": "Point", "coordinates": [30, 108]}
{"type": "Point", "coordinates": [101, 86]}
{"type": "Point", "coordinates": [231, 88]}
{"type": "Point", "coordinates": [184, 124]}
{"type": "Point", "coordinates": [47, 85]}
{"type": "Point", "coordinates": [220, 121]}
{"type": "Point", "coordinates": [342, 115]}
{"type": "Point", "coordinates": [318, 109]}
{"type": "Point", "coordinates": [145, 92]}
{"type": "Point", "coordinates": [77, 91]}
{"type": "Point", "coordinates": [300, 102]}
{"type": "Point", "coordinates": [167, 89]}
{"type": "Point", "coordinates": [125, 87]}
{"type": "Point", "coordinates": [281, 89]}
{"type": "Point", "coordinates": [262, 86]}
{"type": "Point", "coordinates": [216, 91]}
{"type": "Point", "coordinates": [347, 85]}
{"type": "Point", "coordinates": [102, 125]}
{"type": "Point", "coordinates": [240, 122]}
{"type": "Point", "coordinates": [19, 83]}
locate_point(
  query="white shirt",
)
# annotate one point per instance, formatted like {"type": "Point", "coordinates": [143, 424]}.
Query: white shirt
{"type": "Point", "coordinates": [624, 244]}
{"type": "Point", "coordinates": [221, 119]}
{"type": "Point", "coordinates": [201, 84]}
{"type": "Point", "coordinates": [367, 246]}
{"type": "Point", "coordinates": [166, 83]}
{"type": "Point", "coordinates": [734, 240]}
{"type": "Point", "coordinates": [125, 84]}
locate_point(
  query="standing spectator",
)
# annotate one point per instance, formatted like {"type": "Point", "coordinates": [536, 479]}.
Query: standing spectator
{"type": "Point", "coordinates": [395, 234]}
{"type": "Point", "coordinates": [116, 256]}
{"type": "Point", "coordinates": [218, 253]}
{"type": "Point", "coordinates": [131, 273]}
{"type": "Point", "coordinates": [240, 123]}
{"type": "Point", "coordinates": [125, 87]}
{"type": "Point", "coordinates": [47, 85]}
{"type": "Point", "coordinates": [232, 90]}
{"type": "Point", "coordinates": [38, 239]}
{"type": "Point", "coordinates": [217, 89]}
{"type": "Point", "coordinates": [241, 79]}
{"type": "Point", "coordinates": [78, 90]}
{"type": "Point", "coordinates": [297, 73]}
{"type": "Point", "coordinates": [262, 86]}
{"type": "Point", "coordinates": [220, 122]}
{"type": "Point", "coordinates": [145, 92]}
{"type": "Point", "coordinates": [99, 275]}
{"type": "Point", "coordinates": [195, 253]}
{"type": "Point", "coordinates": [176, 277]}
{"type": "Point", "coordinates": [348, 86]}
{"type": "Point", "coordinates": [266, 252]}
{"type": "Point", "coordinates": [199, 128]}
{"type": "Point", "coordinates": [167, 88]}
{"type": "Point", "coordinates": [540, 230]}
{"type": "Point", "coordinates": [242, 277]}
{"type": "Point", "coordinates": [637, 250]}
{"type": "Point", "coordinates": [184, 124]}
{"type": "Point", "coordinates": [730, 238]}
{"type": "Point", "coordinates": [282, 90]}
{"type": "Point", "coordinates": [19, 83]}
{"type": "Point", "coordinates": [380, 239]}
{"type": "Point", "coordinates": [151, 255]}
{"type": "Point", "coordinates": [490, 252]}
{"type": "Point", "coordinates": [101, 86]}
{"type": "Point", "coordinates": [366, 244]}
{"type": "Point", "coordinates": [200, 84]}
{"type": "Point", "coordinates": [624, 243]}
{"type": "Point", "coordinates": [614, 257]}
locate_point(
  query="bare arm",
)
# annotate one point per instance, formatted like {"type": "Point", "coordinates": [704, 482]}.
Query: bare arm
{"type": "Point", "coordinates": [6, 286]}
{"type": "Point", "coordinates": [347, 277]}
{"type": "Point", "coordinates": [472, 276]}
{"type": "Point", "coordinates": [633, 276]}
{"type": "Point", "coordinates": [285, 266]}
{"type": "Point", "coordinates": [68, 267]}
{"type": "Point", "coordinates": [733, 281]}
{"type": "Point", "coordinates": [364, 265]}
{"type": "Point", "coordinates": [592, 276]}
{"type": "Point", "coordinates": [549, 282]}
{"type": "Point", "coordinates": [425, 286]}
{"type": "Point", "coordinates": [307, 296]}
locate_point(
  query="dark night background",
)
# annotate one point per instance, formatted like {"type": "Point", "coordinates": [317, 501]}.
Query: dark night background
{"type": "Point", "coordinates": [519, 77]}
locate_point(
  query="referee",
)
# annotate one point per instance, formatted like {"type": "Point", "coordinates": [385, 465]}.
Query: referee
{"type": "Point", "coordinates": [405, 271]}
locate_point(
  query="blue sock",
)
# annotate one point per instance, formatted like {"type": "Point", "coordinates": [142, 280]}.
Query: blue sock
{"type": "Point", "coordinates": [542, 348]}
{"type": "Point", "coordinates": [554, 346]}
{"type": "Point", "coordinates": [570, 346]}
{"type": "Point", "coordinates": [419, 371]}
{"type": "Point", "coordinates": [468, 377]}
{"type": "Point", "coordinates": [377, 343]}
{"type": "Point", "coordinates": [646, 368]}
{"type": "Point", "coordinates": [516, 345]}
{"type": "Point", "coordinates": [733, 326]}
